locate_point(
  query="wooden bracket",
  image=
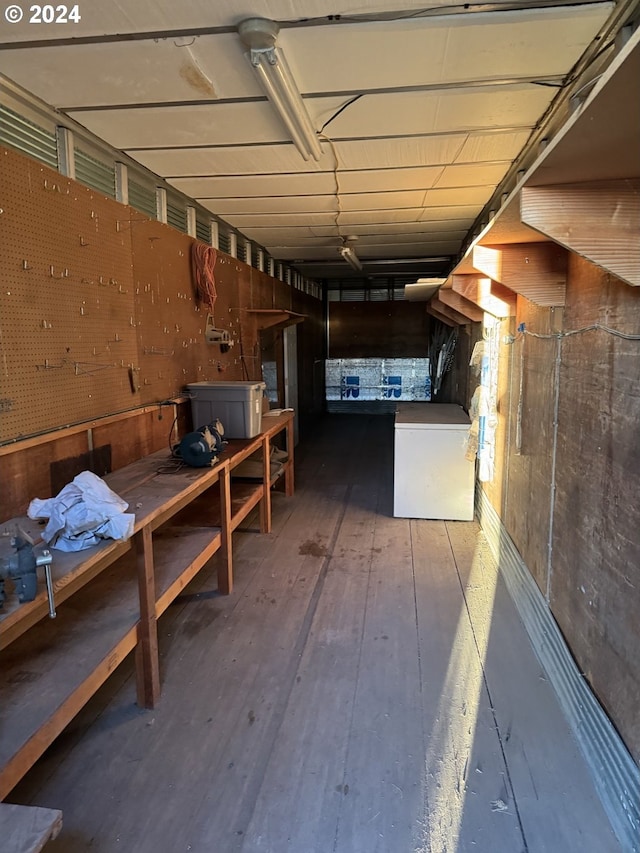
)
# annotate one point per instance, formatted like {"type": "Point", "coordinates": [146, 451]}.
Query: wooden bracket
{"type": "Point", "coordinates": [486, 294]}
{"type": "Point", "coordinates": [442, 308]}
{"type": "Point", "coordinates": [598, 220]}
{"type": "Point", "coordinates": [459, 303]}
{"type": "Point", "coordinates": [438, 316]}
{"type": "Point", "coordinates": [269, 318]}
{"type": "Point", "coordinates": [537, 271]}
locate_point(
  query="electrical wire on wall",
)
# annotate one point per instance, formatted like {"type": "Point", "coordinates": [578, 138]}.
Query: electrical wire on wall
{"type": "Point", "coordinates": [203, 262]}
{"type": "Point", "coordinates": [594, 327]}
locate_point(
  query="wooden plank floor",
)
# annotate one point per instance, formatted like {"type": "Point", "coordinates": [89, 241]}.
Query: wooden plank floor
{"type": "Point", "coordinates": [367, 688]}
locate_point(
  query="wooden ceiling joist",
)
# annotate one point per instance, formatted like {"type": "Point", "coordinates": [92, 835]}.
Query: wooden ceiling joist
{"type": "Point", "coordinates": [488, 295]}
{"type": "Point", "coordinates": [537, 271]}
{"type": "Point", "coordinates": [598, 220]}
{"type": "Point", "coordinates": [459, 303]}
{"type": "Point", "coordinates": [438, 316]}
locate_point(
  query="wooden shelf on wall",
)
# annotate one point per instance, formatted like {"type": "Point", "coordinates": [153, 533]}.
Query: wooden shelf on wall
{"type": "Point", "coordinates": [271, 318]}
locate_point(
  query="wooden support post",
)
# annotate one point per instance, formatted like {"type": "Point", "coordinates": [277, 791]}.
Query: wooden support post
{"type": "Point", "coordinates": [289, 473]}
{"type": "Point", "coordinates": [265, 503]}
{"type": "Point", "coordinates": [147, 664]}
{"type": "Point", "coordinates": [225, 558]}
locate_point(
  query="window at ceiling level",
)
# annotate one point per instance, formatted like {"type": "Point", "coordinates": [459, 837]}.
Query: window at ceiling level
{"type": "Point", "coordinates": [143, 198]}
{"type": "Point", "coordinates": [29, 138]}
{"type": "Point", "coordinates": [203, 229]}
{"type": "Point", "coordinates": [177, 214]}
{"type": "Point", "coordinates": [94, 173]}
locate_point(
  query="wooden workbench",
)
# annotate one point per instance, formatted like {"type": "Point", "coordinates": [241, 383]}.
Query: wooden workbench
{"type": "Point", "coordinates": [109, 598]}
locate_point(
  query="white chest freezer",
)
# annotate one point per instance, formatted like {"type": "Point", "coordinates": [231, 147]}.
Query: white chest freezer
{"type": "Point", "coordinates": [432, 477]}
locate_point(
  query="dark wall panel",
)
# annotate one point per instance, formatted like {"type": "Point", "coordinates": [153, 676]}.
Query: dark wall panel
{"type": "Point", "coordinates": [378, 330]}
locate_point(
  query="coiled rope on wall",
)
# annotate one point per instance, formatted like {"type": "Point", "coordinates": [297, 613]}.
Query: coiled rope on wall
{"type": "Point", "coordinates": [203, 262]}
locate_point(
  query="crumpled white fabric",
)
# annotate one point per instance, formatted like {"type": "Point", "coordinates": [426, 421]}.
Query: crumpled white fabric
{"type": "Point", "coordinates": [83, 513]}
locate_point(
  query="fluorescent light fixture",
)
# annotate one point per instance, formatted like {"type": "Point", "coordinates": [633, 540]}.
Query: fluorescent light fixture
{"type": "Point", "coordinates": [270, 66]}
{"type": "Point", "coordinates": [349, 255]}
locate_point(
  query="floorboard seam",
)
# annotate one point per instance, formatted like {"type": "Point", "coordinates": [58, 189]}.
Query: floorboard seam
{"type": "Point", "coordinates": [296, 656]}
{"type": "Point", "coordinates": [424, 843]}
{"type": "Point", "coordinates": [355, 687]}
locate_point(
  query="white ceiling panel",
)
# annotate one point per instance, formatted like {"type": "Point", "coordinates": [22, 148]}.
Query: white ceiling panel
{"type": "Point", "coordinates": [244, 160]}
{"type": "Point", "coordinates": [248, 186]}
{"type": "Point", "coordinates": [420, 114]}
{"type": "Point", "coordinates": [480, 174]}
{"type": "Point", "coordinates": [109, 18]}
{"type": "Point", "coordinates": [439, 112]}
{"type": "Point", "coordinates": [134, 72]}
{"type": "Point", "coordinates": [491, 147]}
{"type": "Point", "coordinates": [399, 232]}
{"type": "Point", "coordinates": [493, 45]}
{"type": "Point", "coordinates": [219, 124]}
{"type": "Point", "coordinates": [227, 207]}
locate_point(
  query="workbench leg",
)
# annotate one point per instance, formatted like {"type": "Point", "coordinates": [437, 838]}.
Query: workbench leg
{"type": "Point", "coordinates": [225, 564]}
{"type": "Point", "coordinates": [289, 472]}
{"type": "Point", "coordinates": [147, 660]}
{"type": "Point", "coordinates": [265, 503]}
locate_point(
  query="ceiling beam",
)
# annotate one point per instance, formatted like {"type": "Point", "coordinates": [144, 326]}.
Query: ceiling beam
{"type": "Point", "coordinates": [537, 271]}
{"type": "Point", "coordinates": [459, 303]}
{"type": "Point", "coordinates": [488, 295]}
{"type": "Point", "coordinates": [598, 220]}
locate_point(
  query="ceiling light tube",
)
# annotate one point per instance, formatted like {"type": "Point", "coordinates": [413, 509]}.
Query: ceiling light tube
{"type": "Point", "coordinates": [350, 257]}
{"type": "Point", "coordinates": [270, 66]}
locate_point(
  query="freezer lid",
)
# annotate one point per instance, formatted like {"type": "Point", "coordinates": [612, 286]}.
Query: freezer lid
{"type": "Point", "coordinates": [431, 416]}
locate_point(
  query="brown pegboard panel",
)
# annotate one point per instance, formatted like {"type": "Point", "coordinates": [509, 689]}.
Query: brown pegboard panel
{"type": "Point", "coordinates": [67, 322]}
{"type": "Point", "coordinates": [172, 349]}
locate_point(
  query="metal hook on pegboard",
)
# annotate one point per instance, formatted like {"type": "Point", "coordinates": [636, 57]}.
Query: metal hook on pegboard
{"type": "Point", "coordinates": [63, 274]}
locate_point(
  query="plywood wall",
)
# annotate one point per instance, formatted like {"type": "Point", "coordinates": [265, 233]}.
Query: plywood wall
{"type": "Point", "coordinates": [576, 523]}
{"type": "Point", "coordinates": [595, 579]}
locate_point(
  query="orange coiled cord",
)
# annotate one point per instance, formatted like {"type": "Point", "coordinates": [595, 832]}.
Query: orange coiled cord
{"type": "Point", "coordinates": [203, 262]}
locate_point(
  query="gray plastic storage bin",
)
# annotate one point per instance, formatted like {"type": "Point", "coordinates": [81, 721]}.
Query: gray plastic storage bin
{"type": "Point", "coordinates": [237, 405]}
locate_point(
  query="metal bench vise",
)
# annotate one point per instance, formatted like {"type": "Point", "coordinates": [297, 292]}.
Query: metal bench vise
{"type": "Point", "coordinates": [21, 569]}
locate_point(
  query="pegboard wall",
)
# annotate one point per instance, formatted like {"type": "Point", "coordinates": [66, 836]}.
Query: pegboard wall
{"type": "Point", "coordinates": [98, 312]}
{"type": "Point", "coordinates": [67, 325]}
{"type": "Point", "coordinates": [171, 322]}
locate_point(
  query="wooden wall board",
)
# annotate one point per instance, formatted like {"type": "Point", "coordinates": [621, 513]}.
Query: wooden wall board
{"type": "Point", "coordinates": [66, 310]}
{"type": "Point", "coordinates": [149, 432]}
{"type": "Point", "coordinates": [26, 474]}
{"type": "Point", "coordinates": [596, 546]}
{"type": "Point", "coordinates": [525, 500]}
{"type": "Point", "coordinates": [311, 348]}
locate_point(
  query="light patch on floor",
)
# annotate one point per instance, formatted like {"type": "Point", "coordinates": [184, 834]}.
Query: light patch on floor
{"type": "Point", "coordinates": [450, 745]}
